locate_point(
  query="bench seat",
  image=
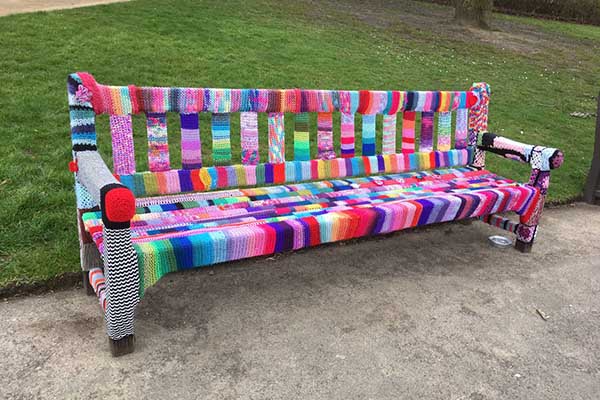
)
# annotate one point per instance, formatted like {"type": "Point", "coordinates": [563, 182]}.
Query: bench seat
{"type": "Point", "coordinates": [192, 230]}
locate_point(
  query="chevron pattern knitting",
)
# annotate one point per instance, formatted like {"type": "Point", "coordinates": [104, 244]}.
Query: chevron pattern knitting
{"type": "Point", "coordinates": [122, 282]}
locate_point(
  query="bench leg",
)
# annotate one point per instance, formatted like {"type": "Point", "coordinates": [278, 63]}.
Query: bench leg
{"type": "Point", "coordinates": [523, 246]}
{"type": "Point", "coordinates": [85, 277]}
{"type": "Point", "coordinates": [122, 346]}
{"type": "Point", "coordinates": [122, 289]}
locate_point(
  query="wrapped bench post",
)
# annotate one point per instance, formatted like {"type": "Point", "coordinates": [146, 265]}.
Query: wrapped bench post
{"type": "Point", "coordinates": [97, 187]}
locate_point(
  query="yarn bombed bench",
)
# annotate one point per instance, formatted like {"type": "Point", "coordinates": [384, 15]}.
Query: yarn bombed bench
{"type": "Point", "coordinates": [135, 227]}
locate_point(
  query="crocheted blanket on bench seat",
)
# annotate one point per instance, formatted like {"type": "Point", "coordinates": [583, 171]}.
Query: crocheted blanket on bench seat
{"type": "Point", "coordinates": [196, 229]}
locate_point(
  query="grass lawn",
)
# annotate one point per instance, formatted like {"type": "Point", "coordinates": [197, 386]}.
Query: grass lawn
{"type": "Point", "coordinates": [539, 71]}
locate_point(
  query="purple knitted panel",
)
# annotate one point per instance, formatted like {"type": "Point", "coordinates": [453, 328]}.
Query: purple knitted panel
{"type": "Point", "coordinates": [122, 144]}
{"type": "Point", "coordinates": [426, 143]}
{"type": "Point", "coordinates": [249, 138]}
{"type": "Point", "coordinates": [191, 146]}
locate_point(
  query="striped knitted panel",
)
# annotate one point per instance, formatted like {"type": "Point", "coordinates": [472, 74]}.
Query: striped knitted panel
{"type": "Point", "coordinates": [347, 135]}
{"type": "Point", "coordinates": [249, 138]}
{"type": "Point", "coordinates": [122, 144]}
{"type": "Point", "coordinates": [389, 134]}
{"type": "Point", "coordinates": [191, 146]}
{"type": "Point", "coordinates": [460, 135]}
{"type": "Point", "coordinates": [221, 177]}
{"type": "Point", "coordinates": [444, 136]}
{"type": "Point", "coordinates": [325, 136]}
{"type": "Point", "coordinates": [98, 282]}
{"type": "Point", "coordinates": [408, 132]}
{"type": "Point", "coordinates": [301, 137]}
{"type": "Point", "coordinates": [158, 144]}
{"type": "Point", "coordinates": [500, 222]}
{"type": "Point", "coordinates": [221, 139]}
{"type": "Point", "coordinates": [276, 138]}
{"type": "Point", "coordinates": [200, 231]}
{"type": "Point", "coordinates": [426, 143]}
{"type": "Point", "coordinates": [368, 135]}
{"type": "Point", "coordinates": [122, 100]}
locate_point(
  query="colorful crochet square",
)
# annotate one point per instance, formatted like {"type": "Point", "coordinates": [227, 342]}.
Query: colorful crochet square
{"type": "Point", "coordinates": [276, 138]}
{"type": "Point", "coordinates": [221, 139]}
{"type": "Point", "coordinates": [180, 232]}
{"type": "Point", "coordinates": [191, 146]}
{"type": "Point", "coordinates": [158, 143]}
{"type": "Point", "coordinates": [301, 137]}
{"type": "Point", "coordinates": [325, 136]}
{"type": "Point", "coordinates": [249, 138]}
{"type": "Point", "coordinates": [122, 144]}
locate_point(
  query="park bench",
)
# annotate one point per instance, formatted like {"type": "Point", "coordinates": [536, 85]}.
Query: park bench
{"type": "Point", "coordinates": [226, 204]}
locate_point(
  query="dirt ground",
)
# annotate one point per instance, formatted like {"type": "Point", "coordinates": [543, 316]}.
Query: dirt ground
{"type": "Point", "coordinates": [21, 6]}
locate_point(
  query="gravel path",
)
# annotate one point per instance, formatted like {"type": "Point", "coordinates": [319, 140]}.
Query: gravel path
{"type": "Point", "coordinates": [22, 6]}
{"type": "Point", "coordinates": [432, 314]}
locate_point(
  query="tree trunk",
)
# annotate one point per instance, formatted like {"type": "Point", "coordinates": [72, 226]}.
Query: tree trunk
{"type": "Point", "coordinates": [474, 12]}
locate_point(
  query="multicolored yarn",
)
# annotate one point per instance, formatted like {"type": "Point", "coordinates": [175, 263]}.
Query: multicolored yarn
{"type": "Point", "coordinates": [276, 138]}
{"type": "Point", "coordinates": [98, 283]}
{"type": "Point", "coordinates": [301, 137]}
{"type": "Point", "coordinates": [124, 100]}
{"type": "Point", "coordinates": [191, 146]}
{"type": "Point", "coordinates": [500, 222]}
{"type": "Point", "coordinates": [158, 143]}
{"type": "Point", "coordinates": [122, 144]}
{"type": "Point", "coordinates": [460, 134]}
{"type": "Point", "coordinates": [426, 143]}
{"type": "Point", "coordinates": [325, 136]}
{"type": "Point", "coordinates": [83, 127]}
{"type": "Point", "coordinates": [478, 120]}
{"type": "Point", "coordinates": [368, 134]}
{"type": "Point", "coordinates": [388, 145]}
{"type": "Point", "coordinates": [408, 132]}
{"type": "Point", "coordinates": [347, 135]}
{"type": "Point", "coordinates": [193, 223]}
{"type": "Point", "coordinates": [169, 237]}
{"type": "Point", "coordinates": [221, 177]}
{"type": "Point", "coordinates": [221, 132]}
{"type": "Point", "coordinates": [444, 135]}
{"type": "Point", "coordinates": [249, 138]}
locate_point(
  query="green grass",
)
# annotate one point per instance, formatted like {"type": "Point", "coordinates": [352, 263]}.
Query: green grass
{"type": "Point", "coordinates": [266, 44]}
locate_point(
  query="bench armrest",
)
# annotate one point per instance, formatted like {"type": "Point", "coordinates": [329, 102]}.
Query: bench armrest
{"type": "Point", "coordinates": [539, 157]}
{"type": "Point", "coordinates": [116, 201]}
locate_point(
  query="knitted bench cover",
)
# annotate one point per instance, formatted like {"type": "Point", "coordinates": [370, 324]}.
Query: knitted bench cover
{"type": "Point", "coordinates": [196, 229]}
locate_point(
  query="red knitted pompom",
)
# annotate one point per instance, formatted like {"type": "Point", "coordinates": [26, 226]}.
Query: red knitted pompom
{"type": "Point", "coordinates": [120, 205]}
{"type": "Point", "coordinates": [73, 166]}
{"type": "Point", "coordinates": [471, 99]}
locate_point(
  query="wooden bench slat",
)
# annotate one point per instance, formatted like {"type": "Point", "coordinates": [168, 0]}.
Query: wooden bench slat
{"type": "Point", "coordinates": [121, 133]}
{"type": "Point", "coordinates": [276, 137]}
{"type": "Point", "coordinates": [158, 144]}
{"type": "Point", "coordinates": [191, 145]}
{"type": "Point", "coordinates": [301, 137]}
{"type": "Point", "coordinates": [221, 134]}
{"type": "Point", "coordinates": [249, 138]}
{"type": "Point", "coordinates": [325, 136]}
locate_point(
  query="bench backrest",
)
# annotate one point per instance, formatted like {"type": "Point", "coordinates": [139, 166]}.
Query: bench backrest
{"type": "Point", "coordinates": [406, 145]}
